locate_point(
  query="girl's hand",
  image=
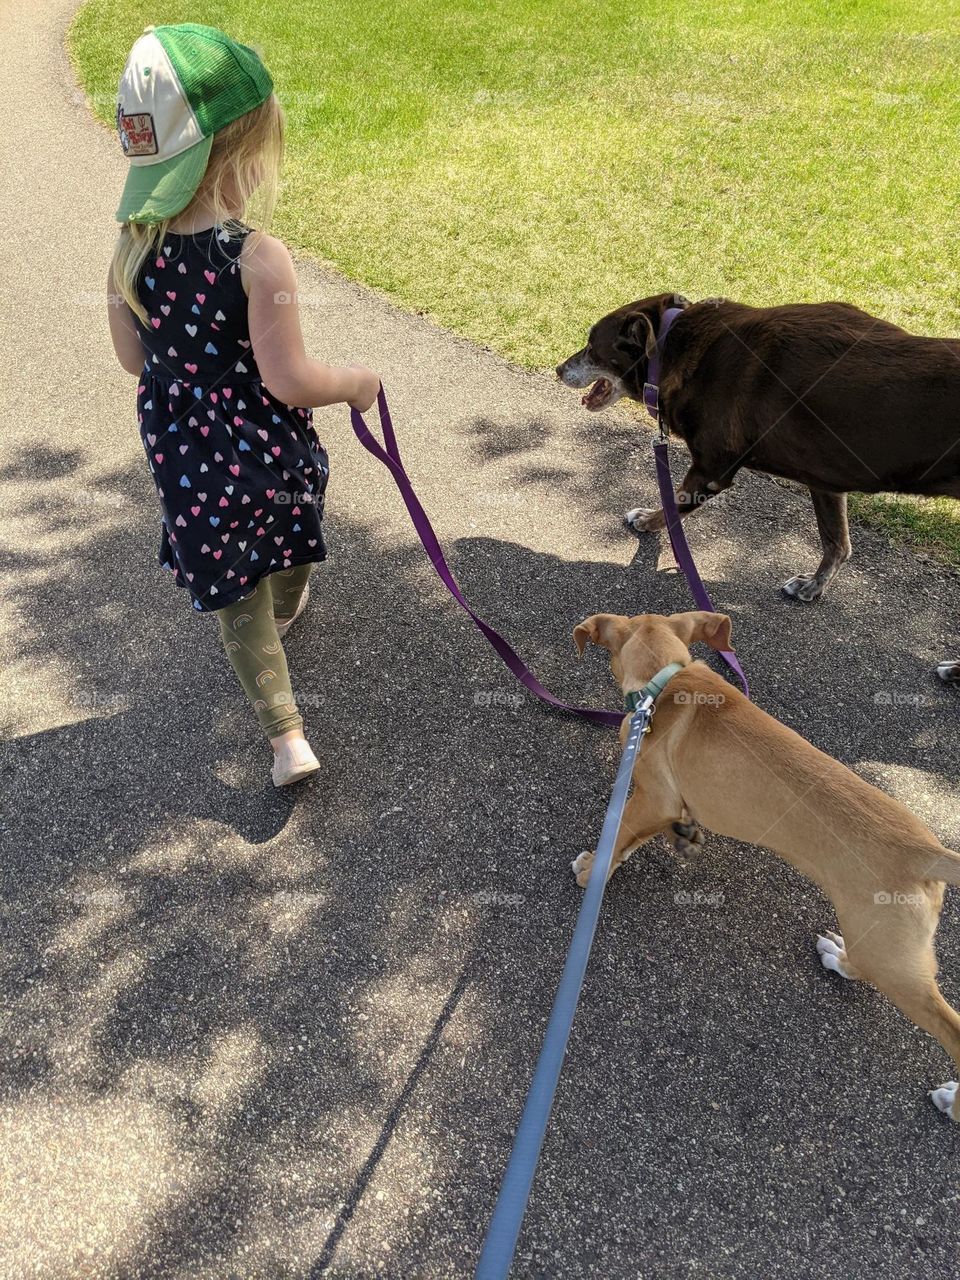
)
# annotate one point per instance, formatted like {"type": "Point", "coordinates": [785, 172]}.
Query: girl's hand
{"type": "Point", "coordinates": [367, 387]}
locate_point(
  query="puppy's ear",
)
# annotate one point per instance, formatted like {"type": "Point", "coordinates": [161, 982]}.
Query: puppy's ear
{"type": "Point", "coordinates": [710, 628]}
{"type": "Point", "coordinates": [608, 630]}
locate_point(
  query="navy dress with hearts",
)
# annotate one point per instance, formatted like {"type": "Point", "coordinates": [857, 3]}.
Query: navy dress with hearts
{"type": "Point", "coordinates": [241, 477]}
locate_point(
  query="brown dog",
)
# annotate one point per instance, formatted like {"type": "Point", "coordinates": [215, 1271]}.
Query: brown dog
{"type": "Point", "coordinates": [716, 756]}
{"type": "Point", "coordinates": [823, 394]}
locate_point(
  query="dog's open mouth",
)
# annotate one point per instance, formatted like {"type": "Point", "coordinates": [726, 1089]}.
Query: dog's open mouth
{"type": "Point", "coordinates": [599, 394]}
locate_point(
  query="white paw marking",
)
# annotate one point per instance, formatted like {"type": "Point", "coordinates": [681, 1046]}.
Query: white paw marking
{"type": "Point", "coordinates": [637, 518]}
{"type": "Point", "coordinates": [833, 955]}
{"type": "Point", "coordinates": [944, 1097]}
{"type": "Point", "coordinates": [802, 587]}
{"type": "Point", "coordinates": [582, 862]}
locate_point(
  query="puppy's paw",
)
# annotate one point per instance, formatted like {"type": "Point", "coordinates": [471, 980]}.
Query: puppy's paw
{"type": "Point", "coordinates": [833, 955]}
{"type": "Point", "coordinates": [945, 1098]}
{"type": "Point", "coordinates": [581, 867]}
{"type": "Point", "coordinates": [687, 838]}
{"type": "Point", "coordinates": [643, 519]}
{"type": "Point", "coordinates": [949, 672]}
{"type": "Point", "coordinates": [803, 587]}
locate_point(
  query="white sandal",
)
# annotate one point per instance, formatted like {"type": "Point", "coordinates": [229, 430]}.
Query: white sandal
{"type": "Point", "coordinates": [293, 761]}
{"type": "Point", "coordinates": [284, 627]}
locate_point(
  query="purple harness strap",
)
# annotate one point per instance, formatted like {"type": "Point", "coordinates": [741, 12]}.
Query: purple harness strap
{"type": "Point", "coordinates": [390, 457]}
{"type": "Point", "coordinates": [678, 539]}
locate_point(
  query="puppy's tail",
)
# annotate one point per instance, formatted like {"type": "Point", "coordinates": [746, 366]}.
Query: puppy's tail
{"type": "Point", "coordinates": [945, 867]}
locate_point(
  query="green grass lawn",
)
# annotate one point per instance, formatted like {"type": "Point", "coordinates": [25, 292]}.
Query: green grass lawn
{"type": "Point", "coordinates": [516, 169]}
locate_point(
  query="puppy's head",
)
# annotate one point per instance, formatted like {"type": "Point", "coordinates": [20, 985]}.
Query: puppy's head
{"type": "Point", "coordinates": [640, 646]}
{"type": "Point", "coordinates": [618, 350]}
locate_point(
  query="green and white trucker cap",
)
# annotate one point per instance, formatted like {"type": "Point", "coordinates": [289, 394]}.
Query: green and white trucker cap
{"type": "Point", "coordinates": [180, 85]}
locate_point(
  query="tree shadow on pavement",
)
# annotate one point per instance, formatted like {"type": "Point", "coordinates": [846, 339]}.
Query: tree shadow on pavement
{"type": "Point", "coordinates": [250, 1033]}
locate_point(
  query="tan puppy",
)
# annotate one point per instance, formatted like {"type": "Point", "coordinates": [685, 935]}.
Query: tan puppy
{"type": "Point", "coordinates": [716, 756]}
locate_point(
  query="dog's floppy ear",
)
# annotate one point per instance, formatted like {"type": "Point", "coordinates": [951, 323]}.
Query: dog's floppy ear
{"type": "Point", "coordinates": [710, 628]}
{"type": "Point", "coordinates": [638, 335]}
{"type": "Point", "coordinates": [605, 629]}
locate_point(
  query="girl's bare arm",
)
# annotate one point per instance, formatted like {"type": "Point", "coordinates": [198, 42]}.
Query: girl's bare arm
{"type": "Point", "coordinates": [123, 329]}
{"type": "Point", "coordinates": [288, 373]}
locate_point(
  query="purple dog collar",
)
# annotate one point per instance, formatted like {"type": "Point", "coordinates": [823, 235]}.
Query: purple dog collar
{"type": "Point", "coordinates": [651, 387]}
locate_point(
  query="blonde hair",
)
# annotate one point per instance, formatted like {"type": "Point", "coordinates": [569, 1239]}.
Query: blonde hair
{"type": "Point", "coordinates": [244, 164]}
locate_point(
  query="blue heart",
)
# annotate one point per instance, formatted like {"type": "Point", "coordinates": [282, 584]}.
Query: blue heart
{"type": "Point", "coordinates": [214, 520]}
{"type": "Point", "coordinates": [275, 418]}
{"type": "Point", "coordinates": [184, 482]}
{"type": "Point", "coordinates": [210, 349]}
{"type": "Point", "coordinates": [198, 392]}
{"type": "Point", "coordinates": [149, 281]}
{"type": "Point", "coordinates": [243, 445]}
{"type": "Point", "coordinates": [172, 427]}
{"type": "Point", "coordinates": [254, 556]}
{"type": "Point", "coordinates": [195, 309]}
{"type": "Point", "coordinates": [296, 528]}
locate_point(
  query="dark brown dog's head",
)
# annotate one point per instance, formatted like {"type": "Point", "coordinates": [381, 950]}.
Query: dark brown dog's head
{"type": "Point", "coordinates": [618, 348]}
{"type": "Point", "coordinates": [641, 645]}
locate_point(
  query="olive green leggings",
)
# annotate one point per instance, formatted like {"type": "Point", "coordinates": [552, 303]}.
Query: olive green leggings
{"type": "Point", "coordinates": [249, 633]}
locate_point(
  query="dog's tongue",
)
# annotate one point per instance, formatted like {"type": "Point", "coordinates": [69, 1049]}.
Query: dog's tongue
{"type": "Point", "coordinates": [597, 394]}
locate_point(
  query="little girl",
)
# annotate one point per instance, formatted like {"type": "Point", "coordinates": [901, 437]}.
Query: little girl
{"type": "Point", "coordinates": [203, 309]}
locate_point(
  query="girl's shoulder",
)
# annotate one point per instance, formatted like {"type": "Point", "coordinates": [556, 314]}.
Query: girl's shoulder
{"type": "Point", "coordinates": [266, 259]}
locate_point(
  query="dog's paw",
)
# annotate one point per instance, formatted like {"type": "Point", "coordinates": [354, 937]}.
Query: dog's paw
{"type": "Point", "coordinates": [581, 867]}
{"type": "Point", "coordinates": [803, 587]}
{"type": "Point", "coordinates": [687, 837]}
{"type": "Point", "coordinates": [833, 954]}
{"type": "Point", "coordinates": [945, 1097]}
{"type": "Point", "coordinates": [949, 672]}
{"type": "Point", "coordinates": [643, 519]}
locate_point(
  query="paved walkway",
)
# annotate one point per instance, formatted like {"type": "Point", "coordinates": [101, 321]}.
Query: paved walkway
{"type": "Point", "coordinates": [257, 1035]}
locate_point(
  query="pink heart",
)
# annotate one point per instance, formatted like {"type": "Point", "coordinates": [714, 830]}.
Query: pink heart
{"type": "Point", "coordinates": [227, 392]}
{"type": "Point", "coordinates": [202, 497]}
{"type": "Point", "coordinates": [158, 456]}
{"type": "Point", "coordinates": [161, 263]}
{"type": "Point", "coordinates": [210, 276]}
{"type": "Point", "coordinates": [201, 297]}
{"type": "Point", "coordinates": [216, 554]}
{"type": "Point", "coordinates": [204, 430]}
{"type": "Point", "coordinates": [234, 469]}
{"type": "Point", "coordinates": [262, 434]}
{"type": "Point", "coordinates": [275, 451]}
{"type": "Point", "coordinates": [171, 295]}
{"type": "Point", "coordinates": [190, 368]}
{"type": "Point", "coordinates": [213, 397]}
{"type": "Point", "coordinates": [237, 422]}
{"type": "Point", "coordinates": [224, 502]}
{"type": "Point", "coordinates": [155, 321]}
{"type": "Point", "coordinates": [270, 493]}
{"type": "Point", "coordinates": [195, 510]}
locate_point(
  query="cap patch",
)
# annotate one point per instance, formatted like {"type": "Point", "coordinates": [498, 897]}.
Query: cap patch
{"type": "Point", "coordinates": [137, 134]}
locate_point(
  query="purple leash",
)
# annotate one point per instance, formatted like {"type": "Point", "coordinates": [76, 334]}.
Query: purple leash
{"type": "Point", "coordinates": [678, 539]}
{"type": "Point", "coordinates": [390, 457]}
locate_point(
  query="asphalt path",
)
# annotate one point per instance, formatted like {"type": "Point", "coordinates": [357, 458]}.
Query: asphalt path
{"type": "Point", "coordinates": [257, 1034]}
